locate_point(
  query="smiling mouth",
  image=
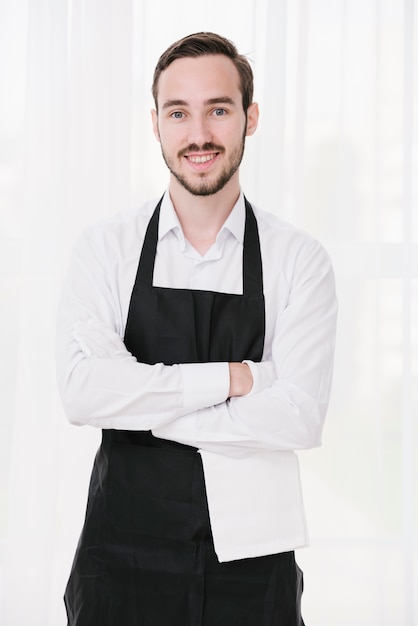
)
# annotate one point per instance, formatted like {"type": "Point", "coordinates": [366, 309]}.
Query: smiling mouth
{"type": "Point", "coordinates": [201, 155]}
{"type": "Point", "coordinates": [204, 158]}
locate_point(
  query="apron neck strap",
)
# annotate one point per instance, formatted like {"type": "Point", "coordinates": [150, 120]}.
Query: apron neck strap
{"type": "Point", "coordinates": [145, 271]}
{"type": "Point", "coordinates": [252, 264]}
{"type": "Point", "coordinates": [252, 267]}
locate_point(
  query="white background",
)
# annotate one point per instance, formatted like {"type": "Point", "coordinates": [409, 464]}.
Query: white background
{"type": "Point", "coordinates": [336, 153]}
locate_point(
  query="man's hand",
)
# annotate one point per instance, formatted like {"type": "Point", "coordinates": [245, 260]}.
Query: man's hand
{"type": "Point", "coordinates": [241, 379]}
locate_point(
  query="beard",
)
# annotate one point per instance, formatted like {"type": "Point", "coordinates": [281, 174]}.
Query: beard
{"type": "Point", "coordinates": [204, 186]}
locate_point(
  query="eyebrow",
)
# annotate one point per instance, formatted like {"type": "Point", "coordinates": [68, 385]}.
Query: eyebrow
{"type": "Point", "coordinates": [220, 100]}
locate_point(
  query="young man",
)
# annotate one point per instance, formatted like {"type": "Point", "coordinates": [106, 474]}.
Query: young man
{"type": "Point", "coordinates": [228, 320]}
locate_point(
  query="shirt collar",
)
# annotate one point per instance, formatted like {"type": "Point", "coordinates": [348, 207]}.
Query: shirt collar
{"type": "Point", "coordinates": [234, 223]}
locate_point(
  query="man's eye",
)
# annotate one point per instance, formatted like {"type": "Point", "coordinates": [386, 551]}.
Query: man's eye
{"type": "Point", "coordinates": [177, 115]}
{"type": "Point", "coordinates": [219, 112]}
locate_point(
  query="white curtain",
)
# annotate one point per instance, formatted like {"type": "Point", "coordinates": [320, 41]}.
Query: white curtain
{"type": "Point", "coordinates": [336, 154]}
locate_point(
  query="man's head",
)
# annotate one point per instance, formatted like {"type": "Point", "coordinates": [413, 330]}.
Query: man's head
{"type": "Point", "coordinates": [203, 93]}
{"type": "Point", "coordinates": [202, 44]}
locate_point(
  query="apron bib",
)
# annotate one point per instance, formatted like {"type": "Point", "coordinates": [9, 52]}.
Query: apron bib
{"type": "Point", "coordinates": [146, 556]}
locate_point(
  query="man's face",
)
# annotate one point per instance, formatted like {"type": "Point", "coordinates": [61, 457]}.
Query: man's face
{"type": "Point", "coordinates": [200, 122]}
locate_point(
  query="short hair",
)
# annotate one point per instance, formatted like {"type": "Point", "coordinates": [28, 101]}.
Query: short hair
{"type": "Point", "coordinates": [205, 44]}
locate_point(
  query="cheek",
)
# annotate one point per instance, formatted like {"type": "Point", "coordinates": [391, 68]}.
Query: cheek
{"type": "Point", "coordinates": [166, 141]}
{"type": "Point", "coordinates": [173, 140]}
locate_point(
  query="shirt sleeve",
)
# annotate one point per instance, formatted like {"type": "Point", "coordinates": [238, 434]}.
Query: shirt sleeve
{"type": "Point", "coordinates": [289, 411]}
{"type": "Point", "coordinates": [119, 392]}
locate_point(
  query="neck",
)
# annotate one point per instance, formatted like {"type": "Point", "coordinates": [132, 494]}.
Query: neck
{"type": "Point", "coordinates": [202, 217]}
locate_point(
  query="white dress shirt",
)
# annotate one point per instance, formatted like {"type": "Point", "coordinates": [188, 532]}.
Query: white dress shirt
{"type": "Point", "coordinates": [247, 443]}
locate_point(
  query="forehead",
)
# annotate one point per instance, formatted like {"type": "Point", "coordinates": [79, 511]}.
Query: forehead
{"type": "Point", "coordinates": [201, 77]}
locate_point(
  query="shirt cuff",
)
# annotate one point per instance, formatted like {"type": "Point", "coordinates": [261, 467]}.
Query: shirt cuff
{"type": "Point", "coordinates": [264, 375]}
{"type": "Point", "coordinates": [204, 384]}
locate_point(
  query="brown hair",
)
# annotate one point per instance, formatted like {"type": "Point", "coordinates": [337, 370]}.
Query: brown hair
{"type": "Point", "coordinates": [202, 44]}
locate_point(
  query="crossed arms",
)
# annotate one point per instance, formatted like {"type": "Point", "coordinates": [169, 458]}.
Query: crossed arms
{"type": "Point", "coordinates": [279, 403]}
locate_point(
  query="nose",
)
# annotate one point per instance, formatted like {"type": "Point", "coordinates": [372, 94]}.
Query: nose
{"type": "Point", "coordinates": [199, 131]}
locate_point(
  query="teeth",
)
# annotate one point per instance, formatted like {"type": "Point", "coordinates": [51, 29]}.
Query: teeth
{"type": "Point", "coordinates": [201, 159]}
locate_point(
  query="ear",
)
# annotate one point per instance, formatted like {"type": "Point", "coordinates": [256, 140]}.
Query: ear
{"type": "Point", "coordinates": [154, 116]}
{"type": "Point", "coordinates": [253, 114]}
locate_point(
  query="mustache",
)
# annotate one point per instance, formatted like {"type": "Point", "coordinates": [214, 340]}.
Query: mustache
{"type": "Point", "coordinates": [207, 147]}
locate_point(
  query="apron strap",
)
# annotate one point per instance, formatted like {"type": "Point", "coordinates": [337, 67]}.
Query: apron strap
{"type": "Point", "coordinates": [145, 273]}
{"type": "Point", "coordinates": [252, 263]}
{"type": "Point", "coordinates": [252, 267]}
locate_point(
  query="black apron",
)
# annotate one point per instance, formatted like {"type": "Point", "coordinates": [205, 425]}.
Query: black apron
{"type": "Point", "coordinates": [146, 555]}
